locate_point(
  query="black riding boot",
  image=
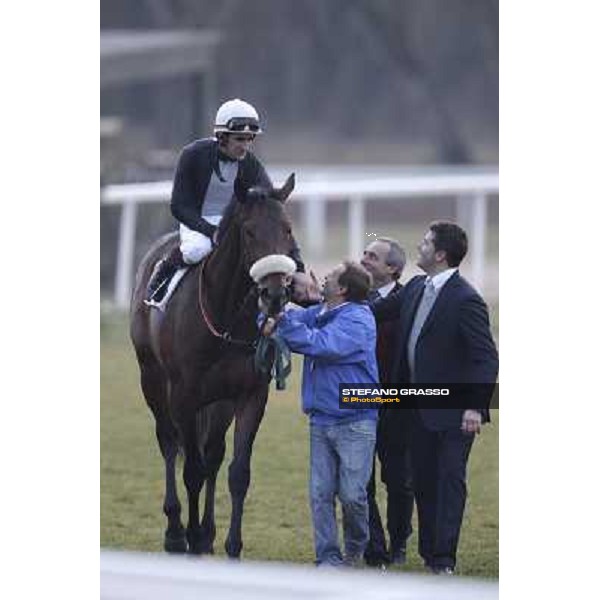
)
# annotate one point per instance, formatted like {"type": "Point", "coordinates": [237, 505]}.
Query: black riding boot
{"type": "Point", "coordinates": [163, 271]}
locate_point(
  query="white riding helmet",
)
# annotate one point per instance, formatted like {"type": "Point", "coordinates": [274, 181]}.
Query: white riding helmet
{"type": "Point", "coordinates": [237, 116]}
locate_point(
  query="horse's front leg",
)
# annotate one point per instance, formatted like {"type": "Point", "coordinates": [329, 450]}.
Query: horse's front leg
{"type": "Point", "coordinates": [248, 415]}
{"type": "Point", "coordinates": [213, 427]}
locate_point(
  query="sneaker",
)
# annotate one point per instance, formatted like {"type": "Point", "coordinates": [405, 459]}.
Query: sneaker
{"type": "Point", "coordinates": [333, 564]}
{"type": "Point", "coordinates": [353, 561]}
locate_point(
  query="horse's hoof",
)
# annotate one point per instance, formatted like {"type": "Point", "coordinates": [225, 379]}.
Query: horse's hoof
{"type": "Point", "coordinates": [233, 549]}
{"type": "Point", "coordinates": [207, 549]}
{"type": "Point", "coordinates": [200, 547]}
{"type": "Point", "coordinates": [175, 545]}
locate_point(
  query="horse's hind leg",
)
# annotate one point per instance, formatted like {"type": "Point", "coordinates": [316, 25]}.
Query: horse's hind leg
{"type": "Point", "coordinates": [194, 472]}
{"type": "Point", "coordinates": [216, 422]}
{"type": "Point", "coordinates": [154, 386]}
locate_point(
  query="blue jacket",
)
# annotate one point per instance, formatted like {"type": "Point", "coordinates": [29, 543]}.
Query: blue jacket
{"type": "Point", "coordinates": [339, 347]}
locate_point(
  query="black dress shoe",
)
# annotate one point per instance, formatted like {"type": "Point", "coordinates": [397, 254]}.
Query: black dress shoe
{"type": "Point", "coordinates": [377, 563]}
{"type": "Point", "coordinates": [376, 560]}
{"type": "Point", "coordinates": [442, 570]}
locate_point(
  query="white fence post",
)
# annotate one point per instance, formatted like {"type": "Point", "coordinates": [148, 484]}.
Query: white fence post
{"type": "Point", "coordinates": [463, 209]}
{"type": "Point", "coordinates": [356, 227]}
{"type": "Point", "coordinates": [478, 231]}
{"type": "Point", "coordinates": [315, 217]}
{"type": "Point", "coordinates": [125, 254]}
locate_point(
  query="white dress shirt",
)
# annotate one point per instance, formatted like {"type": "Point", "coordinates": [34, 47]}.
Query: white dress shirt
{"type": "Point", "coordinates": [384, 290]}
{"type": "Point", "coordinates": [440, 279]}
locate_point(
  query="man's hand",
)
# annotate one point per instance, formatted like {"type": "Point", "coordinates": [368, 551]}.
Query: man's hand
{"type": "Point", "coordinates": [471, 421]}
{"type": "Point", "coordinates": [214, 237]}
{"type": "Point", "coordinates": [270, 325]}
{"type": "Point", "coordinates": [307, 290]}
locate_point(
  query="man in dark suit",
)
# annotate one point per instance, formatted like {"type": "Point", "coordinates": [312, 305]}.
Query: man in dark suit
{"type": "Point", "coordinates": [443, 337]}
{"type": "Point", "coordinates": [385, 260]}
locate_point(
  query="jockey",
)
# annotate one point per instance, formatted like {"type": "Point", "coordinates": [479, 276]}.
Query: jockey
{"type": "Point", "coordinates": [204, 183]}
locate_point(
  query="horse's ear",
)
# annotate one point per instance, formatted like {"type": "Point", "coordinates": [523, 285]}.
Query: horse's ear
{"type": "Point", "coordinates": [283, 192]}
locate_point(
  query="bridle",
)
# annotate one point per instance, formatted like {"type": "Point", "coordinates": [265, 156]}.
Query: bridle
{"type": "Point", "coordinates": [252, 295]}
{"type": "Point", "coordinates": [271, 355]}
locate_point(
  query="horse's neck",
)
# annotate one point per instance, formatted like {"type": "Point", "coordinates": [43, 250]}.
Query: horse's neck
{"type": "Point", "coordinates": [225, 283]}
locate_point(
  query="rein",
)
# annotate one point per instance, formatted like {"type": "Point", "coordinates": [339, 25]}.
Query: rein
{"type": "Point", "coordinates": [226, 335]}
{"type": "Point", "coordinates": [273, 358]}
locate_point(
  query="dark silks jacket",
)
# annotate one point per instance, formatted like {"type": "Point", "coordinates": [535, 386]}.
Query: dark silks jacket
{"type": "Point", "coordinates": [197, 162]}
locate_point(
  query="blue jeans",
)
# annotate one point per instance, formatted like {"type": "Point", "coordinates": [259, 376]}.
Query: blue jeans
{"type": "Point", "coordinates": [341, 460]}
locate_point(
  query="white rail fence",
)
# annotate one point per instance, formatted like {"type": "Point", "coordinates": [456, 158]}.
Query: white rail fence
{"type": "Point", "coordinates": [314, 188]}
{"type": "Point", "coordinates": [153, 576]}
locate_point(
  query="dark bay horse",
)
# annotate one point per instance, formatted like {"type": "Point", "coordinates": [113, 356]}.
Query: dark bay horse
{"type": "Point", "coordinates": [196, 363]}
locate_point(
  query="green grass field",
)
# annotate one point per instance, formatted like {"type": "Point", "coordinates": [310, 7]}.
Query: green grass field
{"type": "Point", "coordinates": [277, 519]}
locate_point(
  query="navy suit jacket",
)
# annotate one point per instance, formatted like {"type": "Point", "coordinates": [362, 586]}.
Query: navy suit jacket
{"type": "Point", "coordinates": [455, 344]}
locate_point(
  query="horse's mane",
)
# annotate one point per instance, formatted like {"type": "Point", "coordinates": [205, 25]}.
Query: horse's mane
{"type": "Point", "coordinates": [272, 205]}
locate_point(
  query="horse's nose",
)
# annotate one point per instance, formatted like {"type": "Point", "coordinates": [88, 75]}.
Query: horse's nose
{"type": "Point", "coordinates": [278, 299]}
{"type": "Point", "coordinates": [273, 299]}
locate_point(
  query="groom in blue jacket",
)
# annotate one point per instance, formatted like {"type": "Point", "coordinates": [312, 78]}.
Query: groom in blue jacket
{"type": "Point", "coordinates": [337, 339]}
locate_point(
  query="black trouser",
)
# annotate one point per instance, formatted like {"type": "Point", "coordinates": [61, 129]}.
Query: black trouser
{"type": "Point", "coordinates": [376, 551]}
{"type": "Point", "coordinates": [393, 450]}
{"type": "Point", "coordinates": [439, 461]}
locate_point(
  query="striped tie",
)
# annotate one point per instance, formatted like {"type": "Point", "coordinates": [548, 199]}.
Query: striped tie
{"type": "Point", "coordinates": [425, 306]}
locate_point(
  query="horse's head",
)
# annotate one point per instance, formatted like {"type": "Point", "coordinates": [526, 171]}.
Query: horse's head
{"type": "Point", "coordinates": [266, 241]}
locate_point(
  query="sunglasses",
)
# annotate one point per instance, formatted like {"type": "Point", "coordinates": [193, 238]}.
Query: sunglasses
{"type": "Point", "coordinates": [243, 124]}
{"type": "Point", "coordinates": [243, 138]}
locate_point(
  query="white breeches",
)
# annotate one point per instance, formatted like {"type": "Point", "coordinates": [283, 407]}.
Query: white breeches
{"type": "Point", "coordinates": [194, 245]}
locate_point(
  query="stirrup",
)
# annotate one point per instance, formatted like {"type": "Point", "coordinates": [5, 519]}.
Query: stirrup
{"type": "Point", "coordinates": [151, 302]}
{"type": "Point", "coordinates": [150, 299]}
{"type": "Point", "coordinates": [165, 289]}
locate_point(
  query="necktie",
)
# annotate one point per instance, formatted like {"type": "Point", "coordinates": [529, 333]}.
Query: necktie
{"type": "Point", "coordinates": [425, 306]}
